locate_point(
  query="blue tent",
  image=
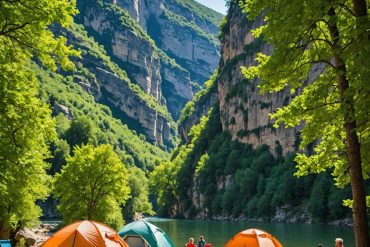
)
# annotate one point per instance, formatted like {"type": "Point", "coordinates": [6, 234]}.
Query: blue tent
{"type": "Point", "coordinates": [143, 234]}
{"type": "Point", "coordinates": [5, 243]}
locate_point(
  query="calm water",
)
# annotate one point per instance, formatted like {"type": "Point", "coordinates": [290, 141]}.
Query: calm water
{"type": "Point", "coordinates": [219, 232]}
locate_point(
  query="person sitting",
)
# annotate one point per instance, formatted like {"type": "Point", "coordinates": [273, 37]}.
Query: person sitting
{"type": "Point", "coordinates": [202, 242]}
{"type": "Point", "coordinates": [339, 242]}
{"type": "Point", "coordinates": [191, 243]}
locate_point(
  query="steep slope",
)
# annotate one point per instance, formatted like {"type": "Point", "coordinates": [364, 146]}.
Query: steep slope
{"type": "Point", "coordinates": [133, 49]}
{"type": "Point", "coordinates": [196, 49]}
{"type": "Point", "coordinates": [244, 111]}
{"type": "Point", "coordinates": [111, 86]}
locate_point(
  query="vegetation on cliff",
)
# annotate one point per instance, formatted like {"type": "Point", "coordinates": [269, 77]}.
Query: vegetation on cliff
{"type": "Point", "coordinates": [200, 97]}
{"type": "Point", "coordinates": [237, 180]}
{"type": "Point", "coordinates": [183, 22]}
{"type": "Point", "coordinates": [132, 148]}
{"type": "Point", "coordinates": [119, 18]}
{"type": "Point", "coordinates": [202, 11]}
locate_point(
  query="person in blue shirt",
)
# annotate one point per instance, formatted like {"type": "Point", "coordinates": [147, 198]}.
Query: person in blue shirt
{"type": "Point", "coordinates": [201, 242]}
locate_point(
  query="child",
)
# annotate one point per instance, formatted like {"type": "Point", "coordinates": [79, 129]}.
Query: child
{"type": "Point", "coordinates": [191, 243]}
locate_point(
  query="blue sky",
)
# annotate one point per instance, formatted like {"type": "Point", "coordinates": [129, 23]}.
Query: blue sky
{"type": "Point", "coordinates": [218, 5]}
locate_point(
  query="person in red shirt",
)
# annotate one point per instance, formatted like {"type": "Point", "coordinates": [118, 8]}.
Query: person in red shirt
{"type": "Point", "coordinates": [191, 243]}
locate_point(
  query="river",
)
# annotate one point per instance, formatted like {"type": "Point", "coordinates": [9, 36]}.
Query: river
{"type": "Point", "coordinates": [219, 232]}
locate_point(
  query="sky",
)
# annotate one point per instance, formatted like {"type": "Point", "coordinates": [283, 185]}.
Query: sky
{"type": "Point", "coordinates": [218, 5]}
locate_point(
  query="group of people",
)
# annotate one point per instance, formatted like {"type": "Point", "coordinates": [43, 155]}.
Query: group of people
{"type": "Point", "coordinates": [201, 242]}
{"type": "Point", "coordinates": [338, 243]}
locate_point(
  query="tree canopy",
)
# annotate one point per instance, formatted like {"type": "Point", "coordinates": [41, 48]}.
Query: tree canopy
{"type": "Point", "coordinates": [93, 185]}
{"type": "Point", "coordinates": [139, 200]}
{"type": "Point", "coordinates": [321, 51]}
{"type": "Point", "coordinates": [26, 126]}
{"type": "Point", "coordinates": [25, 31]}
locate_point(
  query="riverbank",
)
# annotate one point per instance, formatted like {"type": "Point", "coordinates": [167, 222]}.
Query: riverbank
{"type": "Point", "coordinates": [347, 222]}
{"type": "Point", "coordinates": [37, 236]}
{"type": "Point", "coordinates": [284, 214]}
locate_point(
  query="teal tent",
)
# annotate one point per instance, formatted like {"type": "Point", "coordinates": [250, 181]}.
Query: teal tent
{"type": "Point", "coordinates": [5, 243]}
{"type": "Point", "coordinates": [143, 234]}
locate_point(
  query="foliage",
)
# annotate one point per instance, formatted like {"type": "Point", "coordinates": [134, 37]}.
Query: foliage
{"type": "Point", "coordinates": [201, 163]}
{"type": "Point", "coordinates": [200, 98]}
{"type": "Point", "coordinates": [163, 183]}
{"type": "Point", "coordinates": [60, 150]}
{"type": "Point", "coordinates": [80, 132]}
{"type": "Point", "coordinates": [224, 27]}
{"type": "Point", "coordinates": [24, 24]}
{"type": "Point", "coordinates": [138, 202]}
{"type": "Point", "coordinates": [93, 185]}
{"type": "Point", "coordinates": [26, 127]}
{"type": "Point", "coordinates": [25, 123]}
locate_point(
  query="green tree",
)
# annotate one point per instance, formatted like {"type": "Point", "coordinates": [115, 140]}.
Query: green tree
{"type": "Point", "coordinates": [25, 128]}
{"type": "Point", "coordinates": [324, 47]}
{"type": "Point", "coordinates": [93, 185]}
{"type": "Point", "coordinates": [163, 183]}
{"type": "Point", "coordinates": [24, 31]}
{"type": "Point", "coordinates": [139, 200]}
{"type": "Point", "coordinates": [25, 123]}
{"type": "Point", "coordinates": [81, 131]}
{"type": "Point", "coordinates": [60, 150]}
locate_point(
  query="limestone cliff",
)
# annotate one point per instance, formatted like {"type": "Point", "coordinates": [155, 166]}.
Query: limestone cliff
{"type": "Point", "coordinates": [244, 111]}
{"type": "Point", "coordinates": [197, 48]}
{"type": "Point", "coordinates": [153, 54]}
{"type": "Point", "coordinates": [131, 50]}
{"type": "Point", "coordinates": [111, 86]}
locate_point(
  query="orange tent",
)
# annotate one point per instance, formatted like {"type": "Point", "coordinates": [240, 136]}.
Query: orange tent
{"type": "Point", "coordinates": [85, 234]}
{"type": "Point", "coordinates": [253, 238]}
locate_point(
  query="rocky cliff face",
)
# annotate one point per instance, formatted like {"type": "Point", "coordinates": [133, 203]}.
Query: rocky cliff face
{"type": "Point", "coordinates": [129, 49]}
{"type": "Point", "coordinates": [244, 111]}
{"type": "Point", "coordinates": [196, 49]}
{"type": "Point", "coordinates": [120, 96]}
{"type": "Point", "coordinates": [111, 86]}
{"type": "Point", "coordinates": [164, 68]}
